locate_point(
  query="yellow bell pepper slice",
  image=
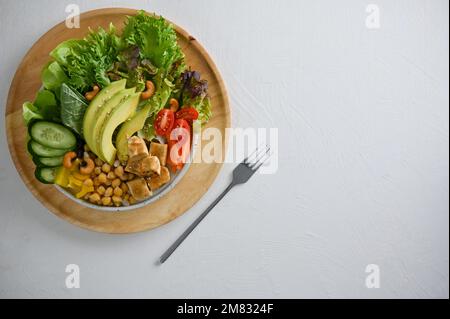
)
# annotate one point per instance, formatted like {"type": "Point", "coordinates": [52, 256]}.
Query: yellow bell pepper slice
{"type": "Point", "coordinates": [62, 176]}
{"type": "Point", "coordinates": [80, 176]}
{"type": "Point", "coordinates": [84, 190]}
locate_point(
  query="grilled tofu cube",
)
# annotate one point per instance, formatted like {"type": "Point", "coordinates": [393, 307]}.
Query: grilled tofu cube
{"type": "Point", "coordinates": [139, 189]}
{"type": "Point", "coordinates": [160, 151]}
{"type": "Point", "coordinates": [136, 146]}
{"type": "Point", "coordinates": [156, 182]}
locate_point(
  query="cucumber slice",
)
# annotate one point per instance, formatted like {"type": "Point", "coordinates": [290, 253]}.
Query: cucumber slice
{"type": "Point", "coordinates": [48, 161]}
{"type": "Point", "coordinates": [38, 150]}
{"type": "Point", "coordinates": [46, 175]}
{"type": "Point", "coordinates": [52, 135]}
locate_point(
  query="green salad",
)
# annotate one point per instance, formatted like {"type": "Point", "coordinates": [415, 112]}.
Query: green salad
{"type": "Point", "coordinates": [111, 110]}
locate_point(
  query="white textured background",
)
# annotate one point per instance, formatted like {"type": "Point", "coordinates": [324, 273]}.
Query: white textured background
{"type": "Point", "coordinates": [363, 161]}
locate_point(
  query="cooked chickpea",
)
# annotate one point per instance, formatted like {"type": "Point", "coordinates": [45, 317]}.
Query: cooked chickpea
{"type": "Point", "coordinates": [124, 187]}
{"type": "Point", "coordinates": [116, 182]}
{"type": "Point", "coordinates": [88, 182]}
{"type": "Point", "coordinates": [102, 178]}
{"type": "Point", "coordinates": [96, 182]}
{"type": "Point", "coordinates": [108, 182]}
{"type": "Point", "coordinates": [132, 200]}
{"type": "Point", "coordinates": [118, 191]}
{"type": "Point", "coordinates": [101, 190]}
{"type": "Point", "coordinates": [94, 198]}
{"type": "Point", "coordinates": [111, 175]}
{"type": "Point", "coordinates": [106, 201]}
{"type": "Point", "coordinates": [98, 162]}
{"type": "Point", "coordinates": [124, 177]}
{"type": "Point", "coordinates": [126, 197]}
{"type": "Point", "coordinates": [109, 192]}
{"type": "Point", "coordinates": [106, 168]}
{"type": "Point", "coordinates": [117, 200]}
{"type": "Point", "coordinates": [118, 171]}
{"type": "Point", "coordinates": [97, 170]}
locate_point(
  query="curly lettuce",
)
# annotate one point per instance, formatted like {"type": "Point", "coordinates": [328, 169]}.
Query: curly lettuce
{"type": "Point", "coordinates": [86, 61]}
{"type": "Point", "coordinates": [157, 42]}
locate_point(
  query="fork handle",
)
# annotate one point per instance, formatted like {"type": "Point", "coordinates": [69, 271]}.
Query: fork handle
{"type": "Point", "coordinates": [186, 233]}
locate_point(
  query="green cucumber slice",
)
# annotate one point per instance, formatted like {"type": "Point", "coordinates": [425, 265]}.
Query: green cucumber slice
{"type": "Point", "coordinates": [52, 135]}
{"type": "Point", "coordinates": [46, 175]}
{"type": "Point", "coordinates": [48, 161]}
{"type": "Point", "coordinates": [38, 150]}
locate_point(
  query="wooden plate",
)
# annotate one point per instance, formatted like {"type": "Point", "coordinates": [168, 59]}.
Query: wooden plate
{"type": "Point", "coordinates": [188, 191]}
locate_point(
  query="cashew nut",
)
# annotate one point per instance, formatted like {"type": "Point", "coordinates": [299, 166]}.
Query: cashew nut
{"type": "Point", "coordinates": [87, 166]}
{"type": "Point", "coordinates": [67, 160]}
{"type": "Point", "coordinates": [150, 90]}
{"type": "Point", "coordinates": [173, 104]}
{"type": "Point", "coordinates": [91, 94]}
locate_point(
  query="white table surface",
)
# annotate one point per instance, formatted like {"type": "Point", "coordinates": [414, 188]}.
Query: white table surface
{"type": "Point", "coordinates": [363, 172]}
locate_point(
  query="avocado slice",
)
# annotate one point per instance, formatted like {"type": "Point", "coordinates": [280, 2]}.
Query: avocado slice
{"type": "Point", "coordinates": [118, 115]}
{"type": "Point", "coordinates": [103, 112]}
{"type": "Point", "coordinates": [96, 104]}
{"type": "Point", "coordinates": [137, 122]}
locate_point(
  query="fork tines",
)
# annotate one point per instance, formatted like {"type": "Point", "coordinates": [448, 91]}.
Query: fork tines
{"type": "Point", "coordinates": [258, 157]}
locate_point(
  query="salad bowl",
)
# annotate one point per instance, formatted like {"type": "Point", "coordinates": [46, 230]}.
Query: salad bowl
{"type": "Point", "coordinates": [186, 186]}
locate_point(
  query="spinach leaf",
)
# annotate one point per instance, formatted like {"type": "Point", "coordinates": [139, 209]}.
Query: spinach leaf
{"type": "Point", "coordinates": [73, 107]}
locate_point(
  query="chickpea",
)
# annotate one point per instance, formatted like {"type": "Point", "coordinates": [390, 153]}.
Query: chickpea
{"type": "Point", "coordinates": [132, 200]}
{"type": "Point", "coordinates": [109, 192]}
{"type": "Point", "coordinates": [98, 162]}
{"type": "Point", "coordinates": [118, 171]}
{"type": "Point", "coordinates": [124, 177]}
{"type": "Point", "coordinates": [88, 182]}
{"type": "Point", "coordinates": [102, 178]}
{"type": "Point", "coordinates": [108, 182]}
{"type": "Point", "coordinates": [124, 187]}
{"type": "Point", "coordinates": [111, 175]}
{"type": "Point", "coordinates": [118, 191]}
{"type": "Point", "coordinates": [101, 190]}
{"type": "Point", "coordinates": [106, 168]}
{"type": "Point", "coordinates": [94, 198]}
{"type": "Point", "coordinates": [96, 181]}
{"type": "Point", "coordinates": [116, 182]}
{"type": "Point", "coordinates": [106, 201]}
{"type": "Point", "coordinates": [117, 200]}
{"type": "Point", "coordinates": [126, 197]}
{"type": "Point", "coordinates": [97, 170]}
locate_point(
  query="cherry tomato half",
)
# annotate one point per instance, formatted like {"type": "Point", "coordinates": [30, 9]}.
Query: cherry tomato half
{"type": "Point", "coordinates": [164, 122]}
{"type": "Point", "coordinates": [187, 113]}
{"type": "Point", "coordinates": [179, 143]}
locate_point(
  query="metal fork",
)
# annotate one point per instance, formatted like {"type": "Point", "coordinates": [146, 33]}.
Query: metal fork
{"type": "Point", "coordinates": [241, 174]}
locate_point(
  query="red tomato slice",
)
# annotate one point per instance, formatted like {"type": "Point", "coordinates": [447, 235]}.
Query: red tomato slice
{"type": "Point", "coordinates": [179, 142]}
{"type": "Point", "coordinates": [187, 113]}
{"type": "Point", "coordinates": [164, 122]}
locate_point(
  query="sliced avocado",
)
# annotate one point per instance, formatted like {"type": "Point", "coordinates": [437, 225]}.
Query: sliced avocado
{"type": "Point", "coordinates": [118, 115]}
{"type": "Point", "coordinates": [128, 129]}
{"type": "Point", "coordinates": [96, 104]}
{"type": "Point", "coordinates": [103, 113]}
{"type": "Point", "coordinates": [137, 122]}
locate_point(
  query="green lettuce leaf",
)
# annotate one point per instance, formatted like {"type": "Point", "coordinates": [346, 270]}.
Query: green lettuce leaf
{"type": "Point", "coordinates": [45, 106]}
{"type": "Point", "coordinates": [30, 112]}
{"type": "Point", "coordinates": [157, 41]}
{"type": "Point", "coordinates": [87, 61]}
{"type": "Point", "coordinates": [53, 76]}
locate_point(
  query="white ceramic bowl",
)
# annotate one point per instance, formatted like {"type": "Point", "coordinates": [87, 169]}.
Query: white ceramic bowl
{"type": "Point", "coordinates": [174, 179]}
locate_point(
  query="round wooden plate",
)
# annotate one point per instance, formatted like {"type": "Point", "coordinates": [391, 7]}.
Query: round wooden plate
{"type": "Point", "coordinates": [188, 191]}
